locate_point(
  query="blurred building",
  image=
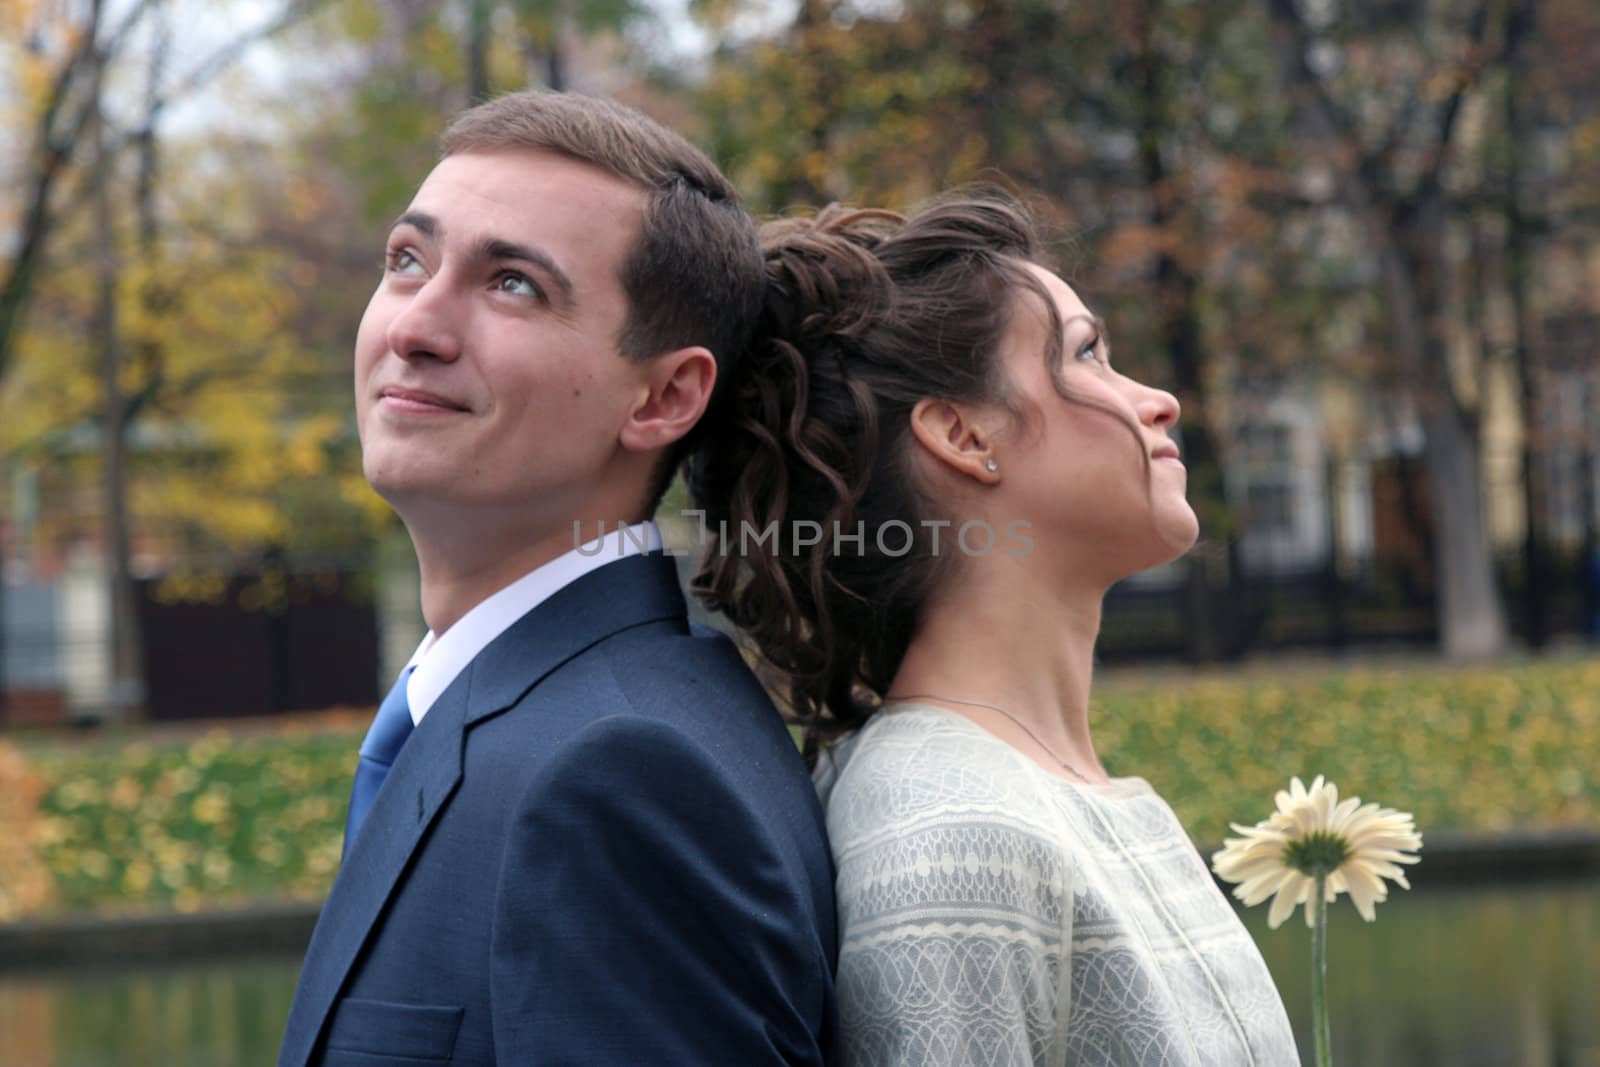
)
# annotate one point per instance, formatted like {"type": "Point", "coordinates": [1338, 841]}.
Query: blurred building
{"type": "Point", "coordinates": [220, 637]}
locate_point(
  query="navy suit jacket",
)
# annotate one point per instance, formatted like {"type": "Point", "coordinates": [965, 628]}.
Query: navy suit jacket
{"type": "Point", "coordinates": [598, 847]}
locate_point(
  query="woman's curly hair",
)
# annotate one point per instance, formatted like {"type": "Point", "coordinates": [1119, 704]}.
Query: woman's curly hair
{"type": "Point", "coordinates": [866, 313]}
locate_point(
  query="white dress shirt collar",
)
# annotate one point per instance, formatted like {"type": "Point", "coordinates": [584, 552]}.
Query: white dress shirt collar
{"type": "Point", "coordinates": [439, 660]}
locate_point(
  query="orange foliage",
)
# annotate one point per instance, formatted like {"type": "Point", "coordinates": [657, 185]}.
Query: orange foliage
{"type": "Point", "coordinates": [25, 882]}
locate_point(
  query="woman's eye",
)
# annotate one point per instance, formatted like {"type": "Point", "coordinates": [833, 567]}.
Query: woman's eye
{"type": "Point", "coordinates": [512, 282]}
{"type": "Point", "coordinates": [401, 261]}
{"type": "Point", "coordinates": [1090, 350]}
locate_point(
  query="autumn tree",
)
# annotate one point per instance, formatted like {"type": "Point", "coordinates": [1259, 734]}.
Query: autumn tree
{"type": "Point", "coordinates": [1135, 128]}
{"type": "Point", "coordinates": [1389, 94]}
{"type": "Point", "coordinates": [175, 315]}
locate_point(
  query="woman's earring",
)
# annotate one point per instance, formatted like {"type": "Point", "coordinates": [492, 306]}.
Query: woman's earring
{"type": "Point", "coordinates": [991, 466]}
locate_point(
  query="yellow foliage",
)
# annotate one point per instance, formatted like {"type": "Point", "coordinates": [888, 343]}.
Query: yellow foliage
{"type": "Point", "coordinates": [238, 520]}
{"type": "Point", "coordinates": [52, 386]}
{"type": "Point", "coordinates": [354, 490]}
{"type": "Point", "coordinates": [872, 114]}
{"type": "Point", "coordinates": [1586, 138]}
{"type": "Point", "coordinates": [29, 73]}
{"type": "Point", "coordinates": [207, 333]}
{"type": "Point", "coordinates": [306, 452]}
{"type": "Point", "coordinates": [184, 587]}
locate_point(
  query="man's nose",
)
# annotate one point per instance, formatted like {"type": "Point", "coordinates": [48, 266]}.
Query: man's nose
{"type": "Point", "coordinates": [427, 326]}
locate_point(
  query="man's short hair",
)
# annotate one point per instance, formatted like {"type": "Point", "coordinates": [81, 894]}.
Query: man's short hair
{"type": "Point", "coordinates": [694, 275]}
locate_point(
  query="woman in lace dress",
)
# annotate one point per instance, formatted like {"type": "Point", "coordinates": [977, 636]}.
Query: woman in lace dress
{"type": "Point", "coordinates": [922, 484]}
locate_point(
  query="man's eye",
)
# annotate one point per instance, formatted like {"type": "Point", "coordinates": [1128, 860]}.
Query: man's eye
{"type": "Point", "coordinates": [511, 282]}
{"type": "Point", "coordinates": [401, 261]}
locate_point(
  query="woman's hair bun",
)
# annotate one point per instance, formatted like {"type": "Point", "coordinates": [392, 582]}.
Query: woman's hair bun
{"type": "Point", "coordinates": [823, 279]}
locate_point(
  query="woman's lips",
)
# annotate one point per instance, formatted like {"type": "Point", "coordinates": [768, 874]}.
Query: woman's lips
{"type": "Point", "coordinates": [1168, 453]}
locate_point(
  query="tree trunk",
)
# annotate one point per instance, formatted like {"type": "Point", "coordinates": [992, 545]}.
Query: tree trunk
{"type": "Point", "coordinates": [810, 21]}
{"type": "Point", "coordinates": [1471, 618]}
{"type": "Point", "coordinates": [477, 51]}
{"type": "Point", "coordinates": [1589, 565]}
{"type": "Point", "coordinates": [127, 681]}
{"type": "Point", "coordinates": [546, 58]}
{"type": "Point", "coordinates": [1177, 305]}
{"type": "Point", "coordinates": [555, 70]}
{"type": "Point", "coordinates": [992, 46]}
{"type": "Point", "coordinates": [1467, 603]}
{"type": "Point", "coordinates": [1518, 260]}
{"type": "Point", "coordinates": [5, 682]}
{"type": "Point", "coordinates": [53, 145]}
{"type": "Point", "coordinates": [1406, 232]}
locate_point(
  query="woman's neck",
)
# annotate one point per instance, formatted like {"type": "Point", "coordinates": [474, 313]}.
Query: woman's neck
{"type": "Point", "coordinates": [1000, 639]}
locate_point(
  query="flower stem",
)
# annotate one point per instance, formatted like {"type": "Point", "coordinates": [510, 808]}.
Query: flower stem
{"type": "Point", "coordinates": [1319, 972]}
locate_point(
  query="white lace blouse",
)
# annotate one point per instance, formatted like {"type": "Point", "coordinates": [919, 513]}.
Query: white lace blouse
{"type": "Point", "coordinates": [992, 913]}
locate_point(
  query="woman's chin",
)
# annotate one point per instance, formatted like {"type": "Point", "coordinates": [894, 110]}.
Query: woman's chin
{"type": "Point", "coordinates": [1178, 533]}
{"type": "Point", "coordinates": [1170, 542]}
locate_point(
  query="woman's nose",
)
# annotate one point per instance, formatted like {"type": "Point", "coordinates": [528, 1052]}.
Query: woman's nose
{"type": "Point", "coordinates": [1157, 407]}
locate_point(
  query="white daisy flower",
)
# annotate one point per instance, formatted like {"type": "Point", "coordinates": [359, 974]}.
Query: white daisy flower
{"type": "Point", "coordinates": [1357, 846]}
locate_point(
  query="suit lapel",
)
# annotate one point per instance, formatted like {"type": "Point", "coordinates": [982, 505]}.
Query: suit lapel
{"type": "Point", "coordinates": [423, 777]}
{"type": "Point", "coordinates": [618, 596]}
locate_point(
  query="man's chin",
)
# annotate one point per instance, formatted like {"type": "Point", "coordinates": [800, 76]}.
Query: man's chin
{"type": "Point", "coordinates": [411, 488]}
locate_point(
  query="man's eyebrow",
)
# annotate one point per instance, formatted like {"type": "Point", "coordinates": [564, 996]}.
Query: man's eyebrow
{"type": "Point", "coordinates": [493, 248]}
{"type": "Point", "coordinates": [420, 221]}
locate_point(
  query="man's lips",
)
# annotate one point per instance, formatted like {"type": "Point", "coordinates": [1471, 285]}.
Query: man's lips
{"type": "Point", "coordinates": [417, 401]}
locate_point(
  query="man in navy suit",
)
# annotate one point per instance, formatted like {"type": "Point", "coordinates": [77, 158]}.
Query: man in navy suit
{"type": "Point", "coordinates": [579, 833]}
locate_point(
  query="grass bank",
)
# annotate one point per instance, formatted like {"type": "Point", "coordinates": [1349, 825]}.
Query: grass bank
{"type": "Point", "coordinates": [225, 816]}
{"type": "Point", "coordinates": [1485, 749]}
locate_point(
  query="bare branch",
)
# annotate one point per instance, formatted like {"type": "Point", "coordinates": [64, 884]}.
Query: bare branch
{"type": "Point", "coordinates": [1466, 76]}
{"type": "Point", "coordinates": [52, 156]}
{"type": "Point", "coordinates": [219, 61]}
{"type": "Point", "coordinates": [52, 152]}
{"type": "Point", "coordinates": [56, 137]}
{"type": "Point", "coordinates": [1383, 156]}
{"type": "Point", "coordinates": [1292, 38]}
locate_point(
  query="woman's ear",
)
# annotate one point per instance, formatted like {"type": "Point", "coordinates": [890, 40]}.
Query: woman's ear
{"type": "Point", "coordinates": [677, 389]}
{"type": "Point", "coordinates": [957, 438]}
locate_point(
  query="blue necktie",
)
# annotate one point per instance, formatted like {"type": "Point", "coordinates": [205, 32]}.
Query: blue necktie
{"type": "Point", "coordinates": [390, 728]}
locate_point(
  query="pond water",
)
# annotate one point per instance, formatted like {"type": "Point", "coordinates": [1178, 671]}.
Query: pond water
{"type": "Point", "coordinates": [1445, 978]}
{"type": "Point", "coordinates": [1454, 978]}
{"type": "Point", "coordinates": [227, 1013]}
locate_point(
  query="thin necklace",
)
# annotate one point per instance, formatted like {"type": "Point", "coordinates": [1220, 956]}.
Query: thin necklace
{"type": "Point", "coordinates": [1019, 724]}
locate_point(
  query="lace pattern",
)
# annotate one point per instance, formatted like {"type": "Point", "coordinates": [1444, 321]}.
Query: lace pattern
{"type": "Point", "coordinates": [993, 914]}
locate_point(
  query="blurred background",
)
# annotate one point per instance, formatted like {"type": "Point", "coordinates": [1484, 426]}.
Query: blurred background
{"type": "Point", "coordinates": [1359, 239]}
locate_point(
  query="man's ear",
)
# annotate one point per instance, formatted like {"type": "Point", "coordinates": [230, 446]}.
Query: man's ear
{"type": "Point", "coordinates": [956, 438]}
{"type": "Point", "coordinates": [678, 388]}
